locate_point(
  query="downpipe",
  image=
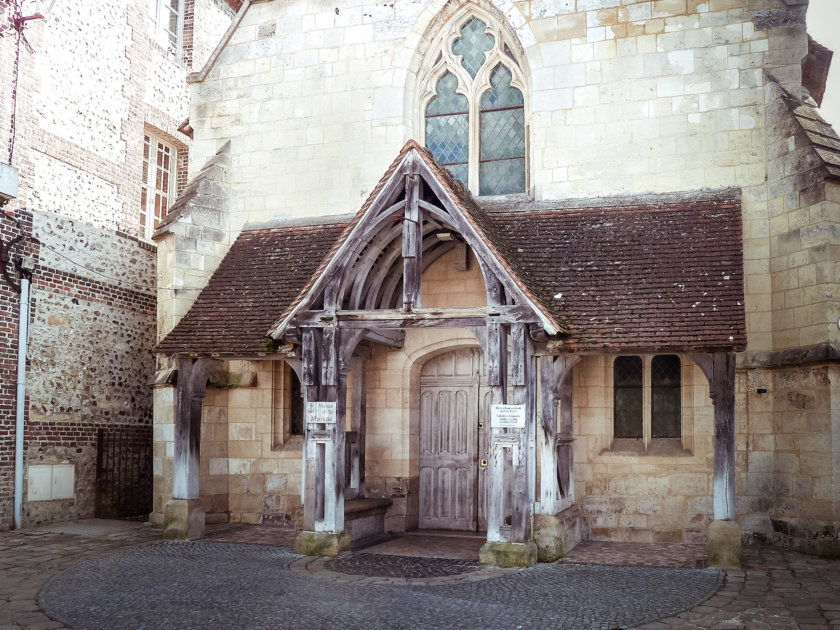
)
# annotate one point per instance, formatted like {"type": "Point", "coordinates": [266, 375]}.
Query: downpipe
{"type": "Point", "coordinates": [23, 337]}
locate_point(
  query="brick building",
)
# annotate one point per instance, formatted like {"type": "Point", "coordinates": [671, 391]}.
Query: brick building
{"type": "Point", "coordinates": [549, 269]}
{"type": "Point", "coordinates": [93, 110]}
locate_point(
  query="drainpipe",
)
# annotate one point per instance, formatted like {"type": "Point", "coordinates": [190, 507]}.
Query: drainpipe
{"type": "Point", "coordinates": [23, 337]}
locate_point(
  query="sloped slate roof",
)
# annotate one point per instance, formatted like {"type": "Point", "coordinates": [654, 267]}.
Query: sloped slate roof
{"type": "Point", "coordinates": [639, 277]}
{"type": "Point", "coordinates": [649, 277]}
{"type": "Point", "coordinates": [259, 277]}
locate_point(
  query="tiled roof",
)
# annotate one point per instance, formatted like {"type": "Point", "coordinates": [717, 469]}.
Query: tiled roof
{"type": "Point", "coordinates": [475, 216]}
{"type": "Point", "coordinates": [258, 278]}
{"type": "Point", "coordinates": [823, 138]}
{"type": "Point", "coordinates": [650, 277]}
{"type": "Point", "coordinates": [639, 277]}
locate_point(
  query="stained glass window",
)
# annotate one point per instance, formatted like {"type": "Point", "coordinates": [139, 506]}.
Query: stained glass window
{"type": "Point", "coordinates": [627, 395]}
{"type": "Point", "coordinates": [665, 396]}
{"type": "Point", "coordinates": [473, 45]}
{"type": "Point", "coordinates": [502, 163]}
{"type": "Point", "coordinates": [494, 116]}
{"type": "Point", "coordinates": [447, 127]}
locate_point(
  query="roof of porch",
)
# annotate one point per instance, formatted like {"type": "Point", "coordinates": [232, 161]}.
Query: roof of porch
{"type": "Point", "coordinates": [642, 274]}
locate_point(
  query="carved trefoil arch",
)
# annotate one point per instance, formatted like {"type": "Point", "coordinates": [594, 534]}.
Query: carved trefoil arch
{"type": "Point", "coordinates": [472, 103]}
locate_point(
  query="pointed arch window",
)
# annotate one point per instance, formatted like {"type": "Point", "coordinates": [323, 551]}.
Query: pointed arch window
{"type": "Point", "coordinates": [474, 112]}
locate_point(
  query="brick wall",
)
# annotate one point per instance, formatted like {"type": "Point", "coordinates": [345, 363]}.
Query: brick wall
{"type": "Point", "coordinates": [9, 319]}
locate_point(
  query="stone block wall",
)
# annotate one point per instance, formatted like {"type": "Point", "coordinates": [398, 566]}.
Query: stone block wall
{"type": "Point", "coordinates": [653, 497]}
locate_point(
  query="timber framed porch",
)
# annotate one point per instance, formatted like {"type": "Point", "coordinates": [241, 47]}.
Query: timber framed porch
{"type": "Point", "coordinates": [365, 293]}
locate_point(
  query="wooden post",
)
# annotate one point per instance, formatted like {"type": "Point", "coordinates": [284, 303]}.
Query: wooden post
{"type": "Point", "coordinates": [565, 443]}
{"type": "Point", "coordinates": [719, 368]}
{"type": "Point", "coordinates": [190, 389]}
{"type": "Point", "coordinates": [359, 398]}
{"type": "Point", "coordinates": [523, 377]}
{"type": "Point", "coordinates": [412, 243]}
{"type": "Point", "coordinates": [556, 449]}
{"type": "Point", "coordinates": [548, 424]}
{"type": "Point", "coordinates": [312, 454]}
{"type": "Point", "coordinates": [334, 472]}
{"type": "Point", "coordinates": [495, 359]}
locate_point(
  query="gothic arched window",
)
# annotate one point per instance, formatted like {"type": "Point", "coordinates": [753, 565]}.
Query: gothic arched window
{"type": "Point", "coordinates": [474, 114]}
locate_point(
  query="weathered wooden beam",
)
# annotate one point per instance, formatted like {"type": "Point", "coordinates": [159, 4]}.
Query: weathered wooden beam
{"type": "Point", "coordinates": [564, 444]}
{"type": "Point", "coordinates": [334, 451]}
{"type": "Point", "coordinates": [719, 369]}
{"type": "Point", "coordinates": [379, 257]}
{"type": "Point", "coordinates": [462, 256]}
{"type": "Point", "coordinates": [495, 355]}
{"type": "Point", "coordinates": [517, 354]}
{"type": "Point", "coordinates": [311, 368]}
{"type": "Point", "coordinates": [524, 467]}
{"type": "Point", "coordinates": [329, 355]}
{"type": "Point", "coordinates": [391, 338]}
{"type": "Point", "coordinates": [359, 414]}
{"type": "Point", "coordinates": [399, 318]}
{"type": "Point", "coordinates": [385, 277]}
{"type": "Point", "coordinates": [412, 244]}
{"type": "Point", "coordinates": [189, 395]}
{"type": "Point", "coordinates": [548, 455]}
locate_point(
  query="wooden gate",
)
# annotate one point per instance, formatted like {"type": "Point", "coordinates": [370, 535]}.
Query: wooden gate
{"type": "Point", "coordinates": [124, 473]}
{"type": "Point", "coordinates": [450, 426]}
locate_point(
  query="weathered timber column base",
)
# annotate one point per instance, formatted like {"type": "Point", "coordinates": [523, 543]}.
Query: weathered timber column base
{"type": "Point", "coordinates": [555, 535]}
{"type": "Point", "coordinates": [724, 545]}
{"type": "Point", "coordinates": [508, 555]}
{"type": "Point", "coordinates": [183, 518]}
{"type": "Point", "coordinates": [322, 543]}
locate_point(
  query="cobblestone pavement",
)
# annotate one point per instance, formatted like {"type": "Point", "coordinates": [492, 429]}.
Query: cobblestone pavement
{"type": "Point", "coordinates": [232, 585]}
{"type": "Point", "coordinates": [251, 586]}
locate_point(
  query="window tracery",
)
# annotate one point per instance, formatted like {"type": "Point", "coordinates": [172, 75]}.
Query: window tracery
{"type": "Point", "coordinates": [473, 108]}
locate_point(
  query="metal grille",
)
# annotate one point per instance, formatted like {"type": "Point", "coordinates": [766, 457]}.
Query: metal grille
{"type": "Point", "coordinates": [124, 474]}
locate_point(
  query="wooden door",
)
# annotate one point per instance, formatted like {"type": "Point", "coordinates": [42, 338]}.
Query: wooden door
{"type": "Point", "coordinates": [449, 419]}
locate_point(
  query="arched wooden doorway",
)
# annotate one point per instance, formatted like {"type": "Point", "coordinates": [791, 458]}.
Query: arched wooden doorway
{"type": "Point", "coordinates": [454, 400]}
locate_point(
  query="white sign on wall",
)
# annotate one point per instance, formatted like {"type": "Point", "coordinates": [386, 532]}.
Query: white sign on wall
{"type": "Point", "coordinates": [323, 412]}
{"type": "Point", "coordinates": [507, 416]}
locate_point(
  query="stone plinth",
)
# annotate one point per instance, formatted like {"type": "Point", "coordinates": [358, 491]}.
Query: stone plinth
{"type": "Point", "coordinates": [322, 543]}
{"type": "Point", "coordinates": [183, 518]}
{"type": "Point", "coordinates": [724, 546]}
{"type": "Point", "coordinates": [555, 535]}
{"type": "Point", "coordinates": [507, 555]}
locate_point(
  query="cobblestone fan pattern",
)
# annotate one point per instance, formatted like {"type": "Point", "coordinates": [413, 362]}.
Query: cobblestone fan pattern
{"type": "Point", "coordinates": [372, 564]}
{"type": "Point", "coordinates": [218, 585]}
{"type": "Point", "coordinates": [776, 589]}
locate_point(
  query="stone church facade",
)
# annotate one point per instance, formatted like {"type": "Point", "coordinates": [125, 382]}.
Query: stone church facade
{"type": "Point", "coordinates": [549, 270]}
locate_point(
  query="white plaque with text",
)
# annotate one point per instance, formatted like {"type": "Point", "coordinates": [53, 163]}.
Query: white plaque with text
{"type": "Point", "coordinates": [507, 416]}
{"type": "Point", "coordinates": [320, 412]}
